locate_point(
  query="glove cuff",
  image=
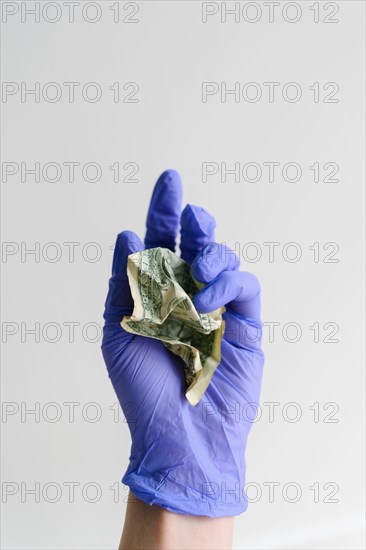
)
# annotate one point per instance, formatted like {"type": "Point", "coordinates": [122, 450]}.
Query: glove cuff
{"type": "Point", "coordinates": [218, 500]}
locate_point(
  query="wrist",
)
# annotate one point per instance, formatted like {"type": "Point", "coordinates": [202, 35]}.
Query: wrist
{"type": "Point", "coordinates": [156, 528]}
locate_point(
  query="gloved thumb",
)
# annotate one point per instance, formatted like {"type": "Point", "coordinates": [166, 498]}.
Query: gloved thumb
{"type": "Point", "coordinates": [119, 300]}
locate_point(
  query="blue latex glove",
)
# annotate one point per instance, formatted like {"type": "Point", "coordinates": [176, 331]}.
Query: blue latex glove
{"type": "Point", "coordinates": [189, 460]}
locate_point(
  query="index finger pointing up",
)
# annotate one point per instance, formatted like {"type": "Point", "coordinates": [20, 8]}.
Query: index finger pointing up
{"type": "Point", "coordinates": [164, 212]}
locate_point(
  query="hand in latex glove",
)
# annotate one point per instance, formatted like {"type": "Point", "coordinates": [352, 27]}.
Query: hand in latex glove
{"type": "Point", "coordinates": [189, 460]}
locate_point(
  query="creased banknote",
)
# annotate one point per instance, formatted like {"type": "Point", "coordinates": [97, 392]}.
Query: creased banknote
{"type": "Point", "coordinates": [162, 288]}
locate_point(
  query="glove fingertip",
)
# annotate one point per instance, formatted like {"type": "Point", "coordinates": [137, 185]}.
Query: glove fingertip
{"type": "Point", "coordinates": [197, 219]}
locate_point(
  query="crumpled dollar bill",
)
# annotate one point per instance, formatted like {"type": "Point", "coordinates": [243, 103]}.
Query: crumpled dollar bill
{"type": "Point", "coordinates": [162, 288]}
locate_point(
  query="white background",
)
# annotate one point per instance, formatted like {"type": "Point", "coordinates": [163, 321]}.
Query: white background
{"type": "Point", "coordinates": [169, 52]}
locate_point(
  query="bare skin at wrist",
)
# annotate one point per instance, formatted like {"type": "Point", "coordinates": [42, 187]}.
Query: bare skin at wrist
{"type": "Point", "coordinates": [154, 528]}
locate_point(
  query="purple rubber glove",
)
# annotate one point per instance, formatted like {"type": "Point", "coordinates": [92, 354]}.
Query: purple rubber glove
{"type": "Point", "coordinates": [189, 460]}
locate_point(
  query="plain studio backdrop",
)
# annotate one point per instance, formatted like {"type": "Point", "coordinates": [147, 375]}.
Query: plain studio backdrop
{"type": "Point", "coordinates": [259, 106]}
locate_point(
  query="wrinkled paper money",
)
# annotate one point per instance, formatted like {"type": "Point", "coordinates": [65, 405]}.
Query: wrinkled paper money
{"type": "Point", "coordinates": [162, 288]}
